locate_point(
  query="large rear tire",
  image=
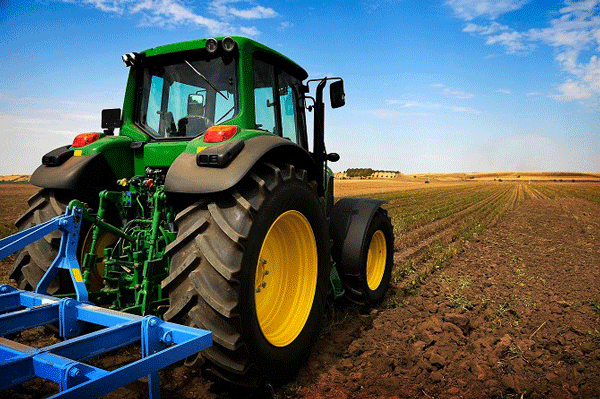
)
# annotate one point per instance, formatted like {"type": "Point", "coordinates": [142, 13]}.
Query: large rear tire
{"type": "Point", "coordinates": [252, 266]}
{"type": "Point", "coordinates": [33, 261]}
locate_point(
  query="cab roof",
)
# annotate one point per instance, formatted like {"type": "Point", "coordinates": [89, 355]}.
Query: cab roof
{"type": "Point", "coordinates": [243, 44]}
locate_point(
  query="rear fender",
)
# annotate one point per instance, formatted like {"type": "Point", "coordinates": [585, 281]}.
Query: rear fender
{"type": "Point", "coordinates": [350, 220]}
{"type": "Point", "coordinates": [185, 176]}
{"type": "Point", "coordinates": [85, 175]}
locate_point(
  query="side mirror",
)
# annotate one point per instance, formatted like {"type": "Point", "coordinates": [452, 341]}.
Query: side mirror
{"type": "Point", "coordinates": [111, 119]}
{"type": "Point", "coordinates": [336, 94]}
{"type": "Point", "coordinates": [333, 157]}
{"type": "Point", "coordinates": [195, 105]}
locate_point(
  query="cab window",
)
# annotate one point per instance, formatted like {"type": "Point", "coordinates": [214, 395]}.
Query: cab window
{"type": "Point", "coordinates": [278, 104]}
{"type": "Point", "coordinates": [264, 110]}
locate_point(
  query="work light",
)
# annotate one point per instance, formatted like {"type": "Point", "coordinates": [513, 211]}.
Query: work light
{"type": "Point", "coordinates": [228, 44]}
{"type": "Point", "coordinates": [129, 59]}
{"type": "Point", "coordinates": [211, 45]}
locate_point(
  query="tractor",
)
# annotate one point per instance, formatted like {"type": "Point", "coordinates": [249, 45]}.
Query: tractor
{"type": "Point", "coordinates": [211, 209]}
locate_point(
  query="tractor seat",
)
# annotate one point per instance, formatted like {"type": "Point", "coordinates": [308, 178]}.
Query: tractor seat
{"type": "Point", "coordinates": [193, 125]}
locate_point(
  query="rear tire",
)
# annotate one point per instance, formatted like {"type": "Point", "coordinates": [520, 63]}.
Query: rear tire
{"type": "Point", "coordinates": [217, 274]}
{"type": "Point", "coordinates": [33, 261]}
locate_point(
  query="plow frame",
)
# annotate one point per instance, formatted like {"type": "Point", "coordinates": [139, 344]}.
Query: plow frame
{"type": "Point", "coordinates": [162, 343]}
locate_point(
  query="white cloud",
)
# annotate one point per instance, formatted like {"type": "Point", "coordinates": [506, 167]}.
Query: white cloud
{"type": "Point", "coordinates": [223, 9]}
{"type": "Point", "coordinates": [503, 91]}
{"type": "Point", "coordinates": [572, 90]}
{"type": "Point", "coordinates": [394, 114]}
{"type": "Point", "coordinates": [494, 27]}
{"type": "Point", "coordinates": [448, 92]}
{"type": "Point", "coordinates": [572, 32]}
{"type": "Point", "coordinates": [284, 25]}
{"type": "Point", "coordinates": [171, 13]}
{"type": "Point", "coordinates": [432, 106]}
{"type": "Point", "coordinates": [491, 9]}
{"type": "Point", "coordinates": [513, 41]}
{"type": "Point", "coordinates": [495, 33]}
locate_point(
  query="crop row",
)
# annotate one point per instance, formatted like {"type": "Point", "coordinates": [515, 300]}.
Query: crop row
{"type": "Point", "coordinates": [587, 191]}
{"type": "Point", "coordinates": [446, 237]}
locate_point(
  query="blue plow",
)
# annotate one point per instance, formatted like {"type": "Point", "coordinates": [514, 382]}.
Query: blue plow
{"type": "Point", "coordinates": [162, 343]}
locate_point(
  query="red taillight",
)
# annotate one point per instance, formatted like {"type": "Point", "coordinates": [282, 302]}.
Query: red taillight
{"type": "Point", "coordinates": [216, 134]}
{"type": "Point", "coordinates": [84, 139]}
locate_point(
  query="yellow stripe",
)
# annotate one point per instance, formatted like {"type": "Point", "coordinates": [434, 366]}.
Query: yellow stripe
{"type": "Point", "coordinates": [199, 149]}
{"type": "Point", "coordinates": [77, 153]}
{"type": "Point", "coordinates": [77, 275]}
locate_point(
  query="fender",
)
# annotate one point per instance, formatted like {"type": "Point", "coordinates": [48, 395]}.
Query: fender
{"type": "Point", "coordinates": [86, 175]}
{"type": "Point", "coordinates": [350, 219]}
{"type": "Point", "coordinates": [185, 176]}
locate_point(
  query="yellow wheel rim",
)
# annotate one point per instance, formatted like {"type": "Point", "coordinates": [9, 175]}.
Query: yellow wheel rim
{"type": "Point", "coordinates": [376, 259]}
{"type": "Point", "coordinates": [105, 240]}
{"type": "Point", "coordinates": [286, 278]}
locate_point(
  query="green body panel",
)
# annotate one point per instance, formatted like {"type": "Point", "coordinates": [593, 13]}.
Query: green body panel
{"type": "Point", "coordinates": [158, 155]}
{"type": "Point", "coordinates": [115, 150]}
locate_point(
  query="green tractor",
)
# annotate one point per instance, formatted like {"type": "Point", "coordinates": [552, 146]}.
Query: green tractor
{"type": "Point", "coordinates": [211, 209]}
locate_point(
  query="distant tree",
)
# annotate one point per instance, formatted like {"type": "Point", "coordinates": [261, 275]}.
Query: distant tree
{"type": "Point", "coordinates": [359, 172]}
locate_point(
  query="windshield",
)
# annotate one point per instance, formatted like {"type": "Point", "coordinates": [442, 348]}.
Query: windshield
{"type": "Point", "coordinates": [183, 98]}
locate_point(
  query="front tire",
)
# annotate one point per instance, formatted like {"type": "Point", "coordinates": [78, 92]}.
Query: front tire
{"type": "Point", "coordinates": [252, 266]}
{"type": "Point", "coordinates": [377, 262]}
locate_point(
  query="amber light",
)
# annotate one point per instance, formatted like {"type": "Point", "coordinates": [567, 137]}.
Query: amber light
{"type": "Point", "coordinates": [216, 134]}
{"type": "Point", "coordinates": [84, 139]}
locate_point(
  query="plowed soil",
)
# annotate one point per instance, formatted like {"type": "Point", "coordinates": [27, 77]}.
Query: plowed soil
{"type": "Point", "coordinates": [515, 314]}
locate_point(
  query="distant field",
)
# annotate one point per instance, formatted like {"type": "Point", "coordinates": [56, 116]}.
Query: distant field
{"type": "Point", "coordinates": [360, 187]}
{"type": "Point", "coordinates": [523, 176]}
{"type": "Point", "coordinates": [14, 178]}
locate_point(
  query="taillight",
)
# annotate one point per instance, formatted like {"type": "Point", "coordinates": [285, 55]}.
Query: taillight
{"type": "Point", "coordinates": [84, 139]}
{"type": "Point", "coordinates": [217, 134]}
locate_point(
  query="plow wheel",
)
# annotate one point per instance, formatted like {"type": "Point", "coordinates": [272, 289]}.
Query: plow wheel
{"type": "Point", "coordinates": [252, 266]}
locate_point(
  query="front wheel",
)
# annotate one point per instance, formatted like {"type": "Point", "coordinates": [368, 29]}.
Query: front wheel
{"type": "Point", "coordinates": [252, 266]}
{"type": "Point", "coordinates": [376, 262]}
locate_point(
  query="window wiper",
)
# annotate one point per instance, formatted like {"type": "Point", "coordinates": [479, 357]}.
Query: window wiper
{"type": "Point", "coordinates": [224, 115]}
{"type": "Point", "coordinates": [205, 79]}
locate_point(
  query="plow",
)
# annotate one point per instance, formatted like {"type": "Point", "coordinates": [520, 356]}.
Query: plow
{"type": "Point", "coordinates": [209, 216]}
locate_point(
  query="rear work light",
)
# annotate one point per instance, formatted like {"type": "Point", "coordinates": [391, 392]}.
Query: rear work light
{"type": "Point", "coordinates": [84, 139]}
{"type": "Point", "coordinates": [217, 134]}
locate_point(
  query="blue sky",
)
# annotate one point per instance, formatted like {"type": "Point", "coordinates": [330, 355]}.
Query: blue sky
{"type": "Point", "coordinates": [431, 86]}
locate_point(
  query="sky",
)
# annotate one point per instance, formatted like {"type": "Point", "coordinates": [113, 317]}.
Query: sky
{"type": "Point", "coordinates": [431, 86]}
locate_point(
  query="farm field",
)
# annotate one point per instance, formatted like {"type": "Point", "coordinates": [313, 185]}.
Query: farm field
{"type": "Point", "coordinates": [494, 294]}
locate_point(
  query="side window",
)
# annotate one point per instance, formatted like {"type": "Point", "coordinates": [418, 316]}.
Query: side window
{"type": "Point", "coordinates": [152, 117]}
{"type": "Point", "coordinates": [224, 106]}
{"type": "Point", "coordinates": [264, 110]}
{"type": "Point", "coordinates": [287, 96]}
